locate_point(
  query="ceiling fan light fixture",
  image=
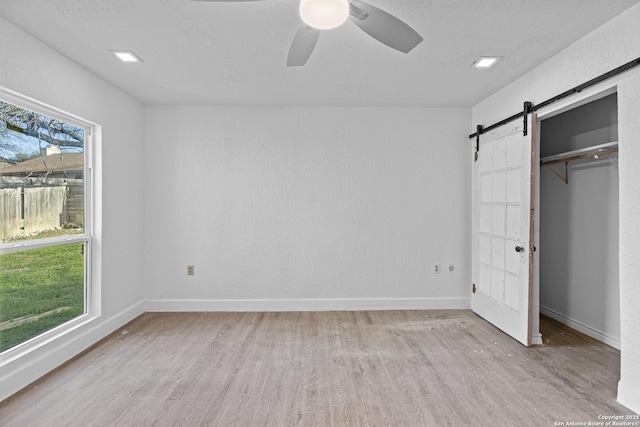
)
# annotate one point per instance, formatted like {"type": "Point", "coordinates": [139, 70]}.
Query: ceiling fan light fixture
{"type": "Point", "coordinates": [324, 14]}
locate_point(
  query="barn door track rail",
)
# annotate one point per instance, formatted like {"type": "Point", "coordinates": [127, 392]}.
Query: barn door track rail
{"type": "Point", "coordinates": [531, 108]}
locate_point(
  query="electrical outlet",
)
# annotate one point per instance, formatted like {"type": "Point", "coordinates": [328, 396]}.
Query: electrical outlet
{"type": "Point", "coordinates": [436, 269]}
{"type": "Point", "coordinates": [190, 270]}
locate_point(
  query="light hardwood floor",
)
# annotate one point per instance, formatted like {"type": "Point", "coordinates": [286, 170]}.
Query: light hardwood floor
{"type": "Point", "coordinates": [376, 368]}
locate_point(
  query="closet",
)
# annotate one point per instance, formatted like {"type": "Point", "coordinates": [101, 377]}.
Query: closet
{"type": "Point", "coordinates": [578, 205]}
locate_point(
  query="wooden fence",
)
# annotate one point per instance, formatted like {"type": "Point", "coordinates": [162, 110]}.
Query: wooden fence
{"type": "Point", "coordinates": [28, 210]}
{"type": "Point", "coordinates": [10, 213]}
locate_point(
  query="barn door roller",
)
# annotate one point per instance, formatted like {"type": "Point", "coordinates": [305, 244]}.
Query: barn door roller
{"type": "Point", "coordinates": [528, 108]}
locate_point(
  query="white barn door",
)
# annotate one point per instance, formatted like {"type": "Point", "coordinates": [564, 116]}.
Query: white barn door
{"type": "Point", "coordinates": [503, 229]}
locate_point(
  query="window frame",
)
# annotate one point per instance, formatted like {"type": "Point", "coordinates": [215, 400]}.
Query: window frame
{"type": "Point", "coordinates": [91, 288]}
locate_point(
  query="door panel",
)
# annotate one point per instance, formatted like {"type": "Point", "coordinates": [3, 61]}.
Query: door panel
{"type": "Point", "coordinates": [502, 222]}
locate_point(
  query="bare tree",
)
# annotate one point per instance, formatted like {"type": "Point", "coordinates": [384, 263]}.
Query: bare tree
{"type": "Point", "coordinates": [47, 130]}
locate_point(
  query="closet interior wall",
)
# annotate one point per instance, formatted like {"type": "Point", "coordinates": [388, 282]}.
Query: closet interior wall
{"type": "Point", "coordinates": [579, 233]}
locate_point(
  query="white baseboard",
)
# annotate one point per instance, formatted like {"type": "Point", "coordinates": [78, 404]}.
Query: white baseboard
{"type": "Point", "coordinates": [33, 364]}
{"type": "Point", "coordinates": [629, 395]}
{"type": "Point", "coordinates": [581, 327]}
{"type": "Point", "coordinates": [536, 339]}
{"type": "Point", "coordinates": [338, 304]}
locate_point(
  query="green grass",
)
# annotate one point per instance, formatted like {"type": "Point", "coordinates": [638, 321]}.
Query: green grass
{"type": "Point", "coordinates": [37, 281]}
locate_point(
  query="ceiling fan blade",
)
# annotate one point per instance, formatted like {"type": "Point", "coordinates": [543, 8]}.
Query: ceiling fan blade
{"type": "Point", "coordinates": [302, 45]}
{"type": "Point", "coordinates": [384, 27]}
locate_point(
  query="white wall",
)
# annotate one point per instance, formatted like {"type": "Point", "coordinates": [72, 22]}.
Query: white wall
{"type": "Point", "coordinates": [610, 46]}
{"type": "Point", "coordinates": [306, 208]}
{"type": "Point", "coordinates": [31, 68]}
{"type": "Point", "coordinates": [578, 248]}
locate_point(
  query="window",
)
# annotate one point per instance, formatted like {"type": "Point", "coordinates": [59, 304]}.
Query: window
{"type": "Point", "coordinates": [45, 221]}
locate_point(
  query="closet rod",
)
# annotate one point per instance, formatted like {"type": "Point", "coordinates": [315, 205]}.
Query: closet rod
{"type": "Point", "coordinates": [621, 69]}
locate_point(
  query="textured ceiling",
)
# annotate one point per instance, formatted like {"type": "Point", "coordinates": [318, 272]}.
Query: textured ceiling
{"type": "Point", "coordinates": [235, 53]}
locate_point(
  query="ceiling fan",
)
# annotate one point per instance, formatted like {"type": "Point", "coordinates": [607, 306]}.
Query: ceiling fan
{"type": "Point", "coordinates": [318, 15]}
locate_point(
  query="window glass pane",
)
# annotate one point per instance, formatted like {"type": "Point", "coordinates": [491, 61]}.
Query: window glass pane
{"type": "Point", "coordinates": [39, 290]}
{"type": "Point", "coordinates": [43, 284]}
{"type": "Point", "coordinates": [41, 175]}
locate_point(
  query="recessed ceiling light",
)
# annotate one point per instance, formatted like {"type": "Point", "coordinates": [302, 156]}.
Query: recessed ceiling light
{"type": "Point", "coordinates": [486, 61]}
{"type": "Point", "coordinates": [125, 55]}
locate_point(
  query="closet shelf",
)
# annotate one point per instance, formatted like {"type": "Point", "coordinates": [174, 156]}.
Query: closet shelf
{"type": "Point", "coordinates": [595, 151]}
{"type": "Point", "coordinates": [583, 153]}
